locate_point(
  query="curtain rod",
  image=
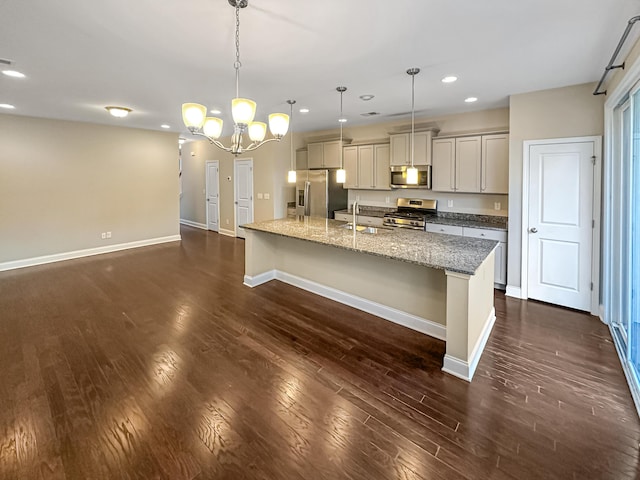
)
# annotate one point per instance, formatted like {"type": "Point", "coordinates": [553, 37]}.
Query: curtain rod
{"type": "Point", "coordinates": [611, 66]}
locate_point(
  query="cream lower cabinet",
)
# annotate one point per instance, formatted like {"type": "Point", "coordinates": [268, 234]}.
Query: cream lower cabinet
{"type": "Point", "coordinates": [361, 219]}
{"type": "Point", "coordinates": [500, 273]}
{"type": "Point", "coordinates": [475, 164]}
{"type": "Point", "coordinates": [367, 167]}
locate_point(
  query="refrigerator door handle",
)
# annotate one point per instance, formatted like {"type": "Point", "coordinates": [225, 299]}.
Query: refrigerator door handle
{"type": "Point", "coordinates": [307, 206]}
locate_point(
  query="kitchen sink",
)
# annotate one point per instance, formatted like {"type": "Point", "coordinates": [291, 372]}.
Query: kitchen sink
{"type": "Point", "coordinates": [366, 229]}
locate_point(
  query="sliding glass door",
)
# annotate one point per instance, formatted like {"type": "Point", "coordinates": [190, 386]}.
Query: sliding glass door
{"type": "Point", "coordinates": [634, 238]}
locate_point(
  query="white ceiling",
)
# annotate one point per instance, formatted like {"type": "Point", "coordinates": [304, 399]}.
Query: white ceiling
{"type": "Point", "coordinates": [153, 55]}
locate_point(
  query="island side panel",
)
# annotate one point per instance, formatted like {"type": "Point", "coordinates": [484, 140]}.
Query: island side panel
{"type": "Point", "coordinates": [470, 317]}
{"type": "Point", "coordinates": [260, 257]}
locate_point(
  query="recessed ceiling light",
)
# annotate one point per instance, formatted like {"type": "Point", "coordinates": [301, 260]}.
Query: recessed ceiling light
{"type": "Point", "coordinates": [304, 110]}
{"type": "Point", "coordinates": [13, 73]}
{"type": "Point", "coordinates": [449, 79]}
{"type": "Point", "coordinates": [7, 106]}
{"type": "Point", "coordinates": [470, 99]}
{"type": "Point", "coordinates": [119, 112]}
{"type": "Point", "coordinates": [165, 126]}
{"type": "Point", "coordinates": [366, 97]}
{"type": "Point", "coordinates": [342, 120]}
{"type": "Point", "coordinates": [216, 112]}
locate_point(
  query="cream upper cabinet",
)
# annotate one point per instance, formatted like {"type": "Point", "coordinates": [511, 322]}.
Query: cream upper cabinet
{"type": "Point", "coordinates": [443, 171]}
{"type": "Point", "coordinates": [324, 154]}
{"type": "Point", "coordinates": [315, 155]}
{"type": "Point", "coordinates": [367, 167]}
{"type": "Point", "coordinates": [382, 172]}
{"type": "Point", "coordinates": [468, 155]}
{"type": "Point", "coordinates": [350, 158]}
{"type": "Point", "coordinates": [302, 160]}
{"type": "Point", "coordinates": [401, 148]}
{"type": "Point", "coordinates": [473, 164]}
{"type": "Point", "coordinates": [495, 164]}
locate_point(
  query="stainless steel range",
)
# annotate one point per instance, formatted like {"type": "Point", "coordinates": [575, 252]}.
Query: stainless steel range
{"type": "Point", "coordinates": [411, 213]}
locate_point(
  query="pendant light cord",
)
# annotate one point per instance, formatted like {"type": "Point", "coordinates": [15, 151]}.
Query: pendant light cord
{"type": "Point", "coordinates": [291, 102]}
{"type": "Point", "coordinates": [341, 122]}
{"type": "Point", "coordinates": [237, 63]}
{"type": "Point", "coordinates": [413, 114]}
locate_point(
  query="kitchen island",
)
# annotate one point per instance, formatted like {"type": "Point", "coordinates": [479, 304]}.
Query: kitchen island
{"type": "Point", "coordinates": [440, 285]}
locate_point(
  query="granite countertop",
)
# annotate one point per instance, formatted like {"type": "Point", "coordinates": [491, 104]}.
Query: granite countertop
{"type": "Point", "coordinates": [435, 250]}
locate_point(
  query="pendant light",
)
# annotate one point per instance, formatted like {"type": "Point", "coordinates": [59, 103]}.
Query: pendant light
{"type": "Point", "coordinates": [341, 175]}
{"type": "Point", "coordinates": [412, 172]}
{"type": "Point", "coordinates": [291, 176]}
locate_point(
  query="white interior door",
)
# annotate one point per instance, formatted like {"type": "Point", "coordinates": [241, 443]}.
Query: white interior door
{"type": "Point", "coordinates": [213, 196]}
{"type": "Point", "coordinates": [243, 194]}
{"type": "Point", "coordinates": [560, 224]}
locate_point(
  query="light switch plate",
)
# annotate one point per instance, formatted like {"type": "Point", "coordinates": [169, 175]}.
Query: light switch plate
{"type": "Point", "coordinates": [259, 196]}
{"type": "Point", "coordinates": [267, 196]}
{"type": "Point", "coordinates": [497, 205]}
{"type": "Point", "coordinates": [449, 203]}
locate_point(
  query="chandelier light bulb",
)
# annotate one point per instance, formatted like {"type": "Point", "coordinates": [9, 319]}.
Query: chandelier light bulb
{"type": "Point", "coordinates": [212, 127]}
{"type": "Point", "coordinates": [193, 115]}
{"type": "Point", "coordinates": [243, 110]}
{"type": "Point", "coordinates": [257, 131]}
{"type": "Point", "coordinates": [278, 124]}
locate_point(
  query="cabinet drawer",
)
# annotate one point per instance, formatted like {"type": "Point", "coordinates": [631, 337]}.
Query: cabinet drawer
{"type": "Point", "coordinates": [345, 217]}
{"type": "Point", "coordinates": [373, 221]}
{"type": "Point", "coordinates": [438, 228]}
{"type": "Point", "coordinates": [497, 235]}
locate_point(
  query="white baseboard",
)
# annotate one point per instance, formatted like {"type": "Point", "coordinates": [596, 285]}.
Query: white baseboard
{"type": "Point", "coordinates": [405, 319]}
{"type": "Point", "coordinates": [260, 279]}
{"type": "Point", "coordinates": [189, 223]}
{"type": "Point", "coordinates": [515, 292]}
{"type": "Point", "coordinates": [466, 370]}
{"type": "Point", "coordinates": [59, 257]}
{"type": "Point", "coordinates": [227, 233]}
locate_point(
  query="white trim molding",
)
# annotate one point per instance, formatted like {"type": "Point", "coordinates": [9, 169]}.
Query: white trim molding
{"type": "Point", "coordinates": [466, 370]}
{"type": "Point", "coordinates": [59, 257]}
{"type": "Point", "coordinates": [227, 233]}
{"type": "Point", "coordinates": [419, 324]}
{"type": "Point", "coordinates": [515, 292]}
{"type": "Point", "coordinates": [189, 223]}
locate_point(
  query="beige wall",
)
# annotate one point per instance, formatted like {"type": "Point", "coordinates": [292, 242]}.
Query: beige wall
{"type": "Point", "coordinates": [271, 163]}
{"type": "Point", "coordinates": [558, 113]}
{"type": "Point", "coordinates": [64, 183]}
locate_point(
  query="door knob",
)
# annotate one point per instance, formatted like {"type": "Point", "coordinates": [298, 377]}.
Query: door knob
{"type": "Point", "coordinates": [533, 230]}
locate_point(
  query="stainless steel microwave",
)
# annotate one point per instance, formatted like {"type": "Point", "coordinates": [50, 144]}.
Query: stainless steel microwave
{"type": "Point", "coordinates": [399, 177]}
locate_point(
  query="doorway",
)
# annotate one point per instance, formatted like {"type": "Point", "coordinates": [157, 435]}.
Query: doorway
{"type": "Point", "coordinates": [213, 195]}
{"type": "Point", "coordinates": [560, 220]}
{"type": "Point", "coordinates": [243, 193]}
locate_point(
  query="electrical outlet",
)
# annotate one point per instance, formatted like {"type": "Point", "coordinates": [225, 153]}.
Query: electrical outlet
{"type": "Point", "coordinates": [259, 196]}
{"type": "Point", "coordinates": [387, 199]}
{"type": "Point", "coordinates": [108, 234]}
{"type": "Point", "coordinates": [267, 196]}
{"type": "Point", "coordinates": [496, 206]}
{"type": "Point", "coordinates": [449, 203]}
{"type": "Point", "coordinates": [103, 235]}
{"type": "Point", "coordinates": [357, 198]}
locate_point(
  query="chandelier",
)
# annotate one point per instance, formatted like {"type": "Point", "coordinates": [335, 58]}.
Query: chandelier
{"type": "Point", "coordinates": [243, 112]}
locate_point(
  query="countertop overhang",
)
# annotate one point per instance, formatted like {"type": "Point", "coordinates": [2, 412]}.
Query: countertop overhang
{"type": "Point", "coordinates": [435, 250]}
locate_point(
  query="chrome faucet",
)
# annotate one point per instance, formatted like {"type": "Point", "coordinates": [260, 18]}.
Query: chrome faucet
{"type": "Point", "coordinates": [354, 206]}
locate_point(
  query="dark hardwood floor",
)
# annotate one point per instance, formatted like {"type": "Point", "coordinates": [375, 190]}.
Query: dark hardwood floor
{"type": "Point", "coordinates": [159, 363]}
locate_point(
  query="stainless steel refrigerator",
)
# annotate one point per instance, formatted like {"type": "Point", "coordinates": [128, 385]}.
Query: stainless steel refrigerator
{"type": "Point", "coordinates": [318, 194]}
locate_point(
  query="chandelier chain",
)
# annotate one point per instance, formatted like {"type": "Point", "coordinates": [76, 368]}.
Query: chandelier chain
{"type": "Point", "coordinates": [237, 64]}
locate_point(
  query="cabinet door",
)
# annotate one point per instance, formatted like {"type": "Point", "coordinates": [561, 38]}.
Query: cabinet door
{"type": "Point", "coordinates": [365, 166]}
{"type": "Point", "coordinates": [315, 154]}
{"type": "Point", "coordinates": [382, 173]}
{"type": "Point", "coordinates": [302, 162]}
{"type": "Point", "coordinates": [495, 164]}
{"type": "Point", "coordinates": [443, 169]}
{"type": "Point", "coordinates": [351, 167]}
{"type": "Point", "coordinates": [468, 155]}
{"type": "Point", "coordinates": [399, 149]}
{"type": "Point", "coordinates": [331, 154]}
{"type": "Point", "coordinates": [422, 149]}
